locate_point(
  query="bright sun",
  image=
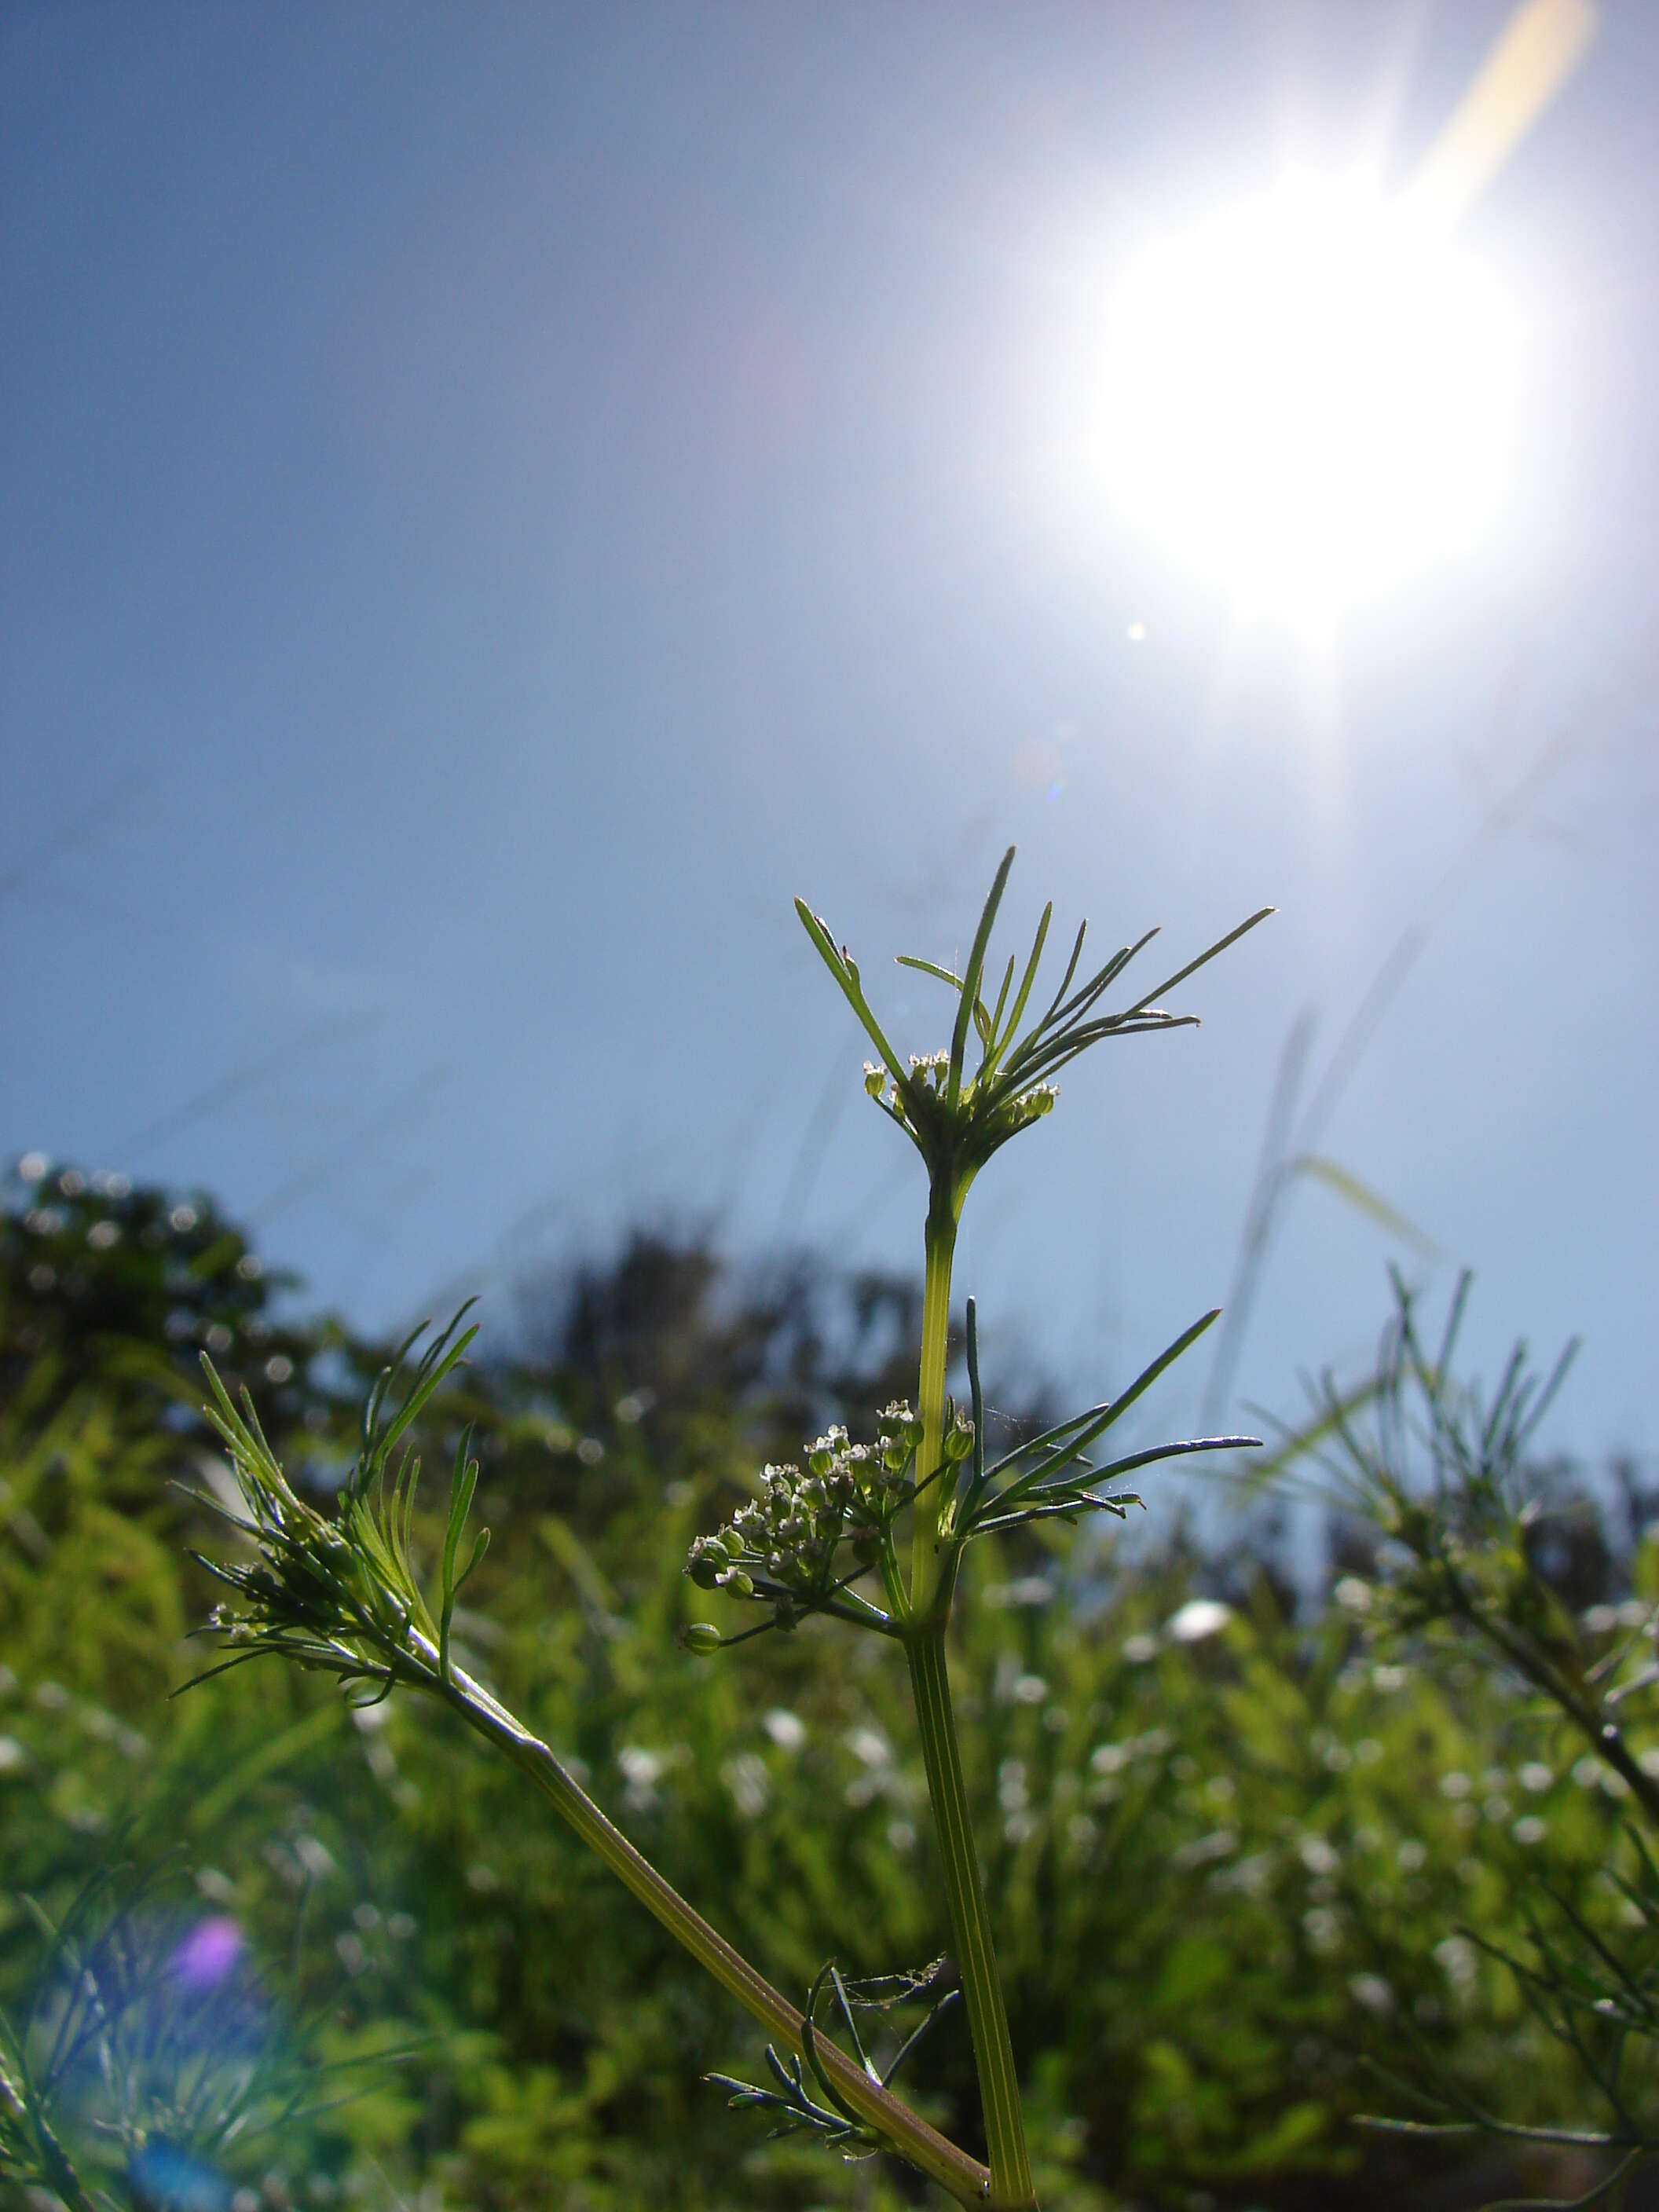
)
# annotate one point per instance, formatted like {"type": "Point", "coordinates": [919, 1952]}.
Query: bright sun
{"type": "Point", "coordinates": [1311, 397]}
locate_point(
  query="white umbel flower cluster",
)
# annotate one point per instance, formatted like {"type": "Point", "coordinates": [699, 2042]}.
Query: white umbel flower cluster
{"type": "Point", "coordinates": [782, 1547]}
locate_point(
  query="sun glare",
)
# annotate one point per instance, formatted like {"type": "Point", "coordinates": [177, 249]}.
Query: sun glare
{"type": "Point", "coordinates": [1311, 397]}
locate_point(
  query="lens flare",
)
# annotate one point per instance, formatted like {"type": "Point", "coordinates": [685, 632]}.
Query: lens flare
{"type": "Point", "coordinates": [208, 1954]}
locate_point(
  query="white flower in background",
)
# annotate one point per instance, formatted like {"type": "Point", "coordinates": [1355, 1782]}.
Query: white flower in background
{"type": "Point", "coordinates": [1199, 1618]}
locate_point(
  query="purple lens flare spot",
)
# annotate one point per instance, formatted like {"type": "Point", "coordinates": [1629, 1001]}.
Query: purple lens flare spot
{"type": "Point", "coordinates": [208, 1952]}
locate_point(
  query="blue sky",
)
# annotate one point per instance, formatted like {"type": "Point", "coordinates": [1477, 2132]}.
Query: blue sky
{"type": "Point", "coordinates": [498, 500]}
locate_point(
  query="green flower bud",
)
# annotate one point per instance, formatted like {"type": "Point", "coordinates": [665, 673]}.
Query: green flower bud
{"type": "Point", "coordinates": [736, 1583]}
{"type": "Point", "coordinates": [703, 1571]}
{"type": "Point", "coordinates": [959, 1437]}
{"type": "Point", "coordinates": [731, 1543]}
{"type": "Point", "coordinates": [703, 1635]}
{"type": "Point", "coordinates": [875, 1079]}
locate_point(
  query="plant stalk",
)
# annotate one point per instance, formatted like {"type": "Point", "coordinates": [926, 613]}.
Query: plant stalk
{"type": "Point", "coordinates": [1012, 2189]}
{"type": "Point", "coordinates": [55, 2162]}
{"type": "Point", "coordinates": [1605, 1738]}
{"type": "Point", "coordinates": [927, 1560]}
{"type": "Point", "coordinates": [962, 2177]}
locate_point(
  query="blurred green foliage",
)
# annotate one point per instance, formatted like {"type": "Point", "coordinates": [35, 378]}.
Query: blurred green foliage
{"type": "Point", "coordinates": [1229, 1838]}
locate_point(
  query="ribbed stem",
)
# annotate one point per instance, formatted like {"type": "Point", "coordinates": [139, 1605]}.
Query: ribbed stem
{"type": "Point", "coordinates": [1012, 2189]}
{"type": "Point", "coordinates": [962, 2177]}
{"type": "Point", "coordinates": [925, 1560]}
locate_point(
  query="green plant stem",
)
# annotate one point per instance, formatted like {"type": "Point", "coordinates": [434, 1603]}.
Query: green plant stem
{"type": "Point", "coordinates": [1011, 2188]}
{"type": "Point", "coordinates": [964, 2177]}
{"type": "Point", "coordinates": [924, 1643]}
{"type": "Point", "coordinates": [55, 2164]}
{"type": "Point", "coordinates": [1605, 1738]}
{"type": "Point", "coordinates": [927, 1557]}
